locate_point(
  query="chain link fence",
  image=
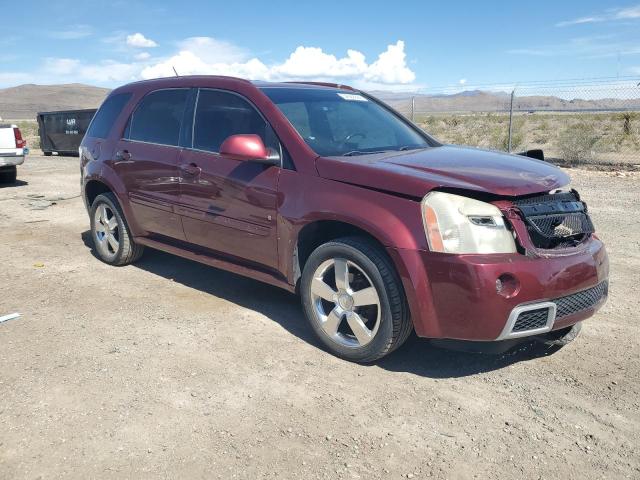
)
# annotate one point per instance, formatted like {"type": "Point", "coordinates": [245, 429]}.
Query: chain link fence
{"type": "Point", "coordinates": [595, 122]}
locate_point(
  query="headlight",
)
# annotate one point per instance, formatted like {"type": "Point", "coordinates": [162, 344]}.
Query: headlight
{"type": "Point", "coordinates": [456, 224]}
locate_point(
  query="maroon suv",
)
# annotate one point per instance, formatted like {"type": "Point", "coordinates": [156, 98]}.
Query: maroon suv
{"type": "Point", "coordinates": [322, 189]}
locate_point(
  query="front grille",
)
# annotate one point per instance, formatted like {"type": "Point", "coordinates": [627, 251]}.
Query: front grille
{"type": "Point", "coordinates": [531, 320]}
{"type": "Point", "coordinates": [555, 220]}
{"type": "Point", "coordinates": [580, 301]}
{"type": "Point", "coordinates": [577, 302]}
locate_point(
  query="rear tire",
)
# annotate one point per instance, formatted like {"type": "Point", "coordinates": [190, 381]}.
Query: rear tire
{"type": "Point", "coordinates": [354, 300]}
{"type": "Point", "coordinates": [9, 175]}
{"type": "Point", "coordinates": [47, 154]}
{"type": "Point", "coordinates": [110, 233]}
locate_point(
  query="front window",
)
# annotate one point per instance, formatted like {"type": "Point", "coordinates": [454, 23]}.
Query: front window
{"type": "Point", "coordinates": [222, 114]}
{"type": "Point", "coordinates": [340, 122]}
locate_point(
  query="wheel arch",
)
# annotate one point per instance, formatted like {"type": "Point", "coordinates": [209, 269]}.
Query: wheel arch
{"type": "Point", "coordinates": [99, 178]}
{"type": "Point", "coordinates": [320, 231]}
{"type": "Point", "coordinates": [93, 188]}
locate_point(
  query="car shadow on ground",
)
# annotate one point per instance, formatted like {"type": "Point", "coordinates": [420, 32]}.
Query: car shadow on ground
{"type": "Point", "coordinates": [418, 356]}
{"type": "Point", "coordinates": [17, 183]}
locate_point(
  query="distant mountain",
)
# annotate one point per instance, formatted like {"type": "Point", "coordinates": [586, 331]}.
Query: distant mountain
{"type": "Point", "coordinates": [483, 101]}
{"type": "Point", "coordinates": [24, 101]}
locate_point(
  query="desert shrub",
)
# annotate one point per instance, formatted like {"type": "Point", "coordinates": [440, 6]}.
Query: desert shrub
{"type": "Point", "coordinates": [577, 143]}
{"type": "Point", "coordinates": [544, 125]}
{"type": "Point", "coordinates": [627, 119]}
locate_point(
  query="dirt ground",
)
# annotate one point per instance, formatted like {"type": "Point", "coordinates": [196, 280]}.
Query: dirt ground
{"type": "Point", "coordinates": [171, 369]}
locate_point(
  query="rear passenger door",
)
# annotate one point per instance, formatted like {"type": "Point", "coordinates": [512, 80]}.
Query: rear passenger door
{"type": "Point", "coordinates": [146, 159]}
{"type": "Point", "coordinates": [229, 205]}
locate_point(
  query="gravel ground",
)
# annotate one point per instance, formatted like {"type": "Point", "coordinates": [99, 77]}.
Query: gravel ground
{"type": "Point", "coordinates": [171, 369]}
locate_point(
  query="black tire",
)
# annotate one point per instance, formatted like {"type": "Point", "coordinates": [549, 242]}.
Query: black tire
{"type": "Point", "coordinates": [394, 321]}
{"type": "Point", "coordinates": [9, 175]}
{"type": "Point", "coordinates": [47, 154]}
{"type": "Point", "coordinates": [127, 250]}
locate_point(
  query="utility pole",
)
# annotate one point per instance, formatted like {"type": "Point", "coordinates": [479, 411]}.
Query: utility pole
{"type": "Point", "coordinates": [511, 118]}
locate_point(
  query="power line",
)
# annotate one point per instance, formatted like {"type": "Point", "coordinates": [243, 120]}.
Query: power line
{"type": "Point", "coordinates": [568, 82]}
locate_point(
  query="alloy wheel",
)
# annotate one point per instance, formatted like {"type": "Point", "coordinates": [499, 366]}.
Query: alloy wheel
{"type": "Point", "coordinates": [106, 231]}
{"type": "Point", "coordinates": [345, 302]}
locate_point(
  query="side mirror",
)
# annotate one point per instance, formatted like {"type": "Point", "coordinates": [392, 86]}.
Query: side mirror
{"type": "Point", "coordinates": [249, 148]}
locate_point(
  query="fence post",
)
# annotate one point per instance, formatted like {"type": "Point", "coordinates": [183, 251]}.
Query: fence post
{"type": "Point", "coordinates": [513, 92]}
{"type": "Point", "coordinates": [413, 108]}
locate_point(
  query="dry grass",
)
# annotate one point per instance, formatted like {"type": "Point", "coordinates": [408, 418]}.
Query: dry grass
{"type": "Point", "coordinates": [573, 137]}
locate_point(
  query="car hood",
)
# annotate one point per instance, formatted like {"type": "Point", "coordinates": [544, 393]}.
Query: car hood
{"type": "Point", "coordinates": [416, 172]}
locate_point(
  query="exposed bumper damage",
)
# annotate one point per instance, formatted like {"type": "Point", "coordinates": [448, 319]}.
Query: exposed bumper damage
{"type": "Point", "coordinates": [558, 277]}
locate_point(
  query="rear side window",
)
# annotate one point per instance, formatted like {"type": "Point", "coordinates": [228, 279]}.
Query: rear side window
{"type": "Point", "coordinates": [158, 117]}
{"type": "Point", "coordinates": [220, 115]}
{"type": "Point", "coordinates": [107, 114]}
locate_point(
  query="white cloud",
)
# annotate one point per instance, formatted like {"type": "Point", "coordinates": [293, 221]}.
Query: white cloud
{"type": "Point", "coordinates": [212, 50]}
{"type": "Point", "coordinates": [109, 71]}
{"type": "Point", "coordinates": [188, 63]}
{"type": "Point", "coordinates": [613, 14]}
{"type": "Point", "coordinates": [138, 40]}
{"type": "Point", "coordinates": [60, 66]}
{"type": "Point", "coordinates": [391, 66]}
{"type": "Point", "coordinates": [462, 81]}
{"type": "Point", "coordinates": [312, 62]}
{"type": "Point", "coordinates": [73, 70]}
{"type": "Point", "coordinates": [14, 78]}
{"type": "Point", "coordinates": [73, 33]}
{"type": "Point", "coordinates": [595, 46]}
{"type": "Point", "coordinates": [198, 56]}
{"type": "Point", "coordinates": [210, 56]}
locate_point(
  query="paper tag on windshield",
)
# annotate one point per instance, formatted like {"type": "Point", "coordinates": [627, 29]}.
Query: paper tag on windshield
{"type": "Point", "coordinates": [352, 97]}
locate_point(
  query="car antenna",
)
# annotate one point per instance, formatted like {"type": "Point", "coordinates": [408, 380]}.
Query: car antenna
{"type": "Point", "coordinates": [174, 71]}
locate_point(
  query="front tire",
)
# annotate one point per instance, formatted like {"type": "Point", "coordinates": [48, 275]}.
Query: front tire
{"type": "Point", "coordinates": [354, 300]}
{"type": "Point", "coordinates": [110, 233]}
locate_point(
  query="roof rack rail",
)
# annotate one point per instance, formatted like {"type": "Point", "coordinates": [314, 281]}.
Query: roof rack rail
{"type": "Point", "coordinates": [326, 84]}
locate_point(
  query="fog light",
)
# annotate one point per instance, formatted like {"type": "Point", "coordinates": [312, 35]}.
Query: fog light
{"type": "Point", "coordinates": [507, 285]}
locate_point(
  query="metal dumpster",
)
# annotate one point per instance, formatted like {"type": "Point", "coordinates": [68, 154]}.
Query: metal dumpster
{"type": "Point", "coordinates": [62, 131]}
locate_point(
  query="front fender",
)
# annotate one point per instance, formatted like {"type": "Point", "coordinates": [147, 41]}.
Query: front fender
{"type": "Point", "coordinates": [394, 221]}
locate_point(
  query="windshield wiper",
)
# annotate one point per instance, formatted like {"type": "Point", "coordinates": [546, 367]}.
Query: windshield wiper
{"type": "Point", "coordinates": [411, 147]}
{"type": "Point", "coordinates": [354, 153]}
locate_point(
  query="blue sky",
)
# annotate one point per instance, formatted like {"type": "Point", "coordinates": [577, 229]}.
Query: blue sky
{"type": "Point", "coordinates": [391, 45]}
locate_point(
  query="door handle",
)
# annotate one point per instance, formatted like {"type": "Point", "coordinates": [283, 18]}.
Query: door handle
{"type": "Point", "coordinates": [191, 169]}
{"type": "Point", "coordinates": [123, 155]}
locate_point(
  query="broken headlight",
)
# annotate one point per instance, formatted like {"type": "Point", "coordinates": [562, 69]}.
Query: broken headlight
{"type": "Point", "coordinates": [456, 224]}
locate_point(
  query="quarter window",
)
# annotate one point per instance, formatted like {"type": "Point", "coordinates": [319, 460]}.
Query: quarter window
{"type": "Point", "coordinates": [221, 114]}
{"type": "Point", "coordinates": [158, 117]}
{"type": "Point", "coordinates": [107, 114]}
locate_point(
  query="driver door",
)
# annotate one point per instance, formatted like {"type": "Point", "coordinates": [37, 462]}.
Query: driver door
{"type": "Point", "coordinates": [229, 205]}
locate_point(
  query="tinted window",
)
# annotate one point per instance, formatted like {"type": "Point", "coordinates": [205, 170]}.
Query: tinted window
{"type": "Point", "coordinates": [335, 122]}
{"type": "Point", "coordinates": [107, 114]}
{"type": "Point", "coordinates": [221, 114]}
{"type": "Point", "coordinates": [158, 117]}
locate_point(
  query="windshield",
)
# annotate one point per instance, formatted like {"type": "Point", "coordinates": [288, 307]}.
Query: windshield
{"type": "Point", "coordinates": [339, 122]}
